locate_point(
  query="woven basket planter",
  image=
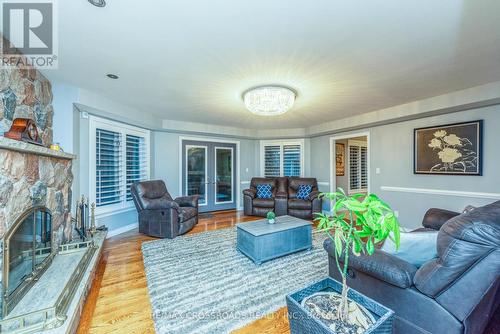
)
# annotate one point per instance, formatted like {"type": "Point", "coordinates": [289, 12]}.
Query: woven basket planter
{"type": "Point", "coordinates": [302, 321]}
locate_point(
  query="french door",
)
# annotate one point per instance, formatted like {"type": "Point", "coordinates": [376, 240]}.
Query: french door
{"type": "Point", "coordinates": [209, 170]}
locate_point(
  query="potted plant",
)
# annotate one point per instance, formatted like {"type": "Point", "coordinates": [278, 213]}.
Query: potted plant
{"type": "Point", "coordinates": [355, 225]}
{"type": "Point", "coordinates": [271, 217]}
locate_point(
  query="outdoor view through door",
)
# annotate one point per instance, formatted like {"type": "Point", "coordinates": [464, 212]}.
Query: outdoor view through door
{"type": "Point", "coordinates": [208, 170]}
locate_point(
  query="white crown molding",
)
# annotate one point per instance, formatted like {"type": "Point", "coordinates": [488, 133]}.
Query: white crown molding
{"type": "Point", "coordinates": [455, 193]}
{"type": "Point", "coordinates": [471, 98]}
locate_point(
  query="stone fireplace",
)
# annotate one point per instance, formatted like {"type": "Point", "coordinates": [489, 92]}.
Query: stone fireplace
{"type": "Point", "coordinates": [35, 190]}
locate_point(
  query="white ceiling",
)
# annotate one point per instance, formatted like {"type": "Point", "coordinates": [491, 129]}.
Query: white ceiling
{"type": "Point", "coordinates": [191, 60]}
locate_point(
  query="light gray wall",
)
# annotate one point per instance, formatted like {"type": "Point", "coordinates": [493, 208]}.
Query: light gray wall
{"type": "Point", "coordinates": [391, 150]}
{"type": "Point", "coordinates": [166, 159]}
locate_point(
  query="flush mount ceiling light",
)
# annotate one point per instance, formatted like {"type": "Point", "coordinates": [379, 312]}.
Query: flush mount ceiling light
{"type": "Point", "coordinates": [98, 3]}
{"type": "Point", "coordinates": [269, 100]}
{"type": "Point", "coordinates": [112, 76]}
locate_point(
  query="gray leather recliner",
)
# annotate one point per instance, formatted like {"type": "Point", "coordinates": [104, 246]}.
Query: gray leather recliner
{"type": "Point", "coordinates": [458, 292]}
{"type": "Point", "coordinates": [159, 214]}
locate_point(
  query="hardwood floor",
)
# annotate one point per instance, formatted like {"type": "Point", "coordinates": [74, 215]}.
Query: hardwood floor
{"type": "Point", "coordinates": [118, 301]}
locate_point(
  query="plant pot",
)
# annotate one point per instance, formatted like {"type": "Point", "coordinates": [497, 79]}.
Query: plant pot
{"type": "Point", "coordinates": [271, 221]}
{"type": "Point", "coordinates": [303, 322]}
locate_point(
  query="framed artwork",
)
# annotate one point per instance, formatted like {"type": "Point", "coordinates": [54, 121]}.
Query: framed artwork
{"type": "Point", "coordinates": [340, 159]}
{"type": "Point", "coordinates": [452, 149]}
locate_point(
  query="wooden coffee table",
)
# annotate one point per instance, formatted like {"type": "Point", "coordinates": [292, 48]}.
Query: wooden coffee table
{"type": "Point", "coordinates": [261, 241]}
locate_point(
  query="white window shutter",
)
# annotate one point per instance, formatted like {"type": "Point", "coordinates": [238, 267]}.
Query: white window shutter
{"type": "Point", "coordinates": [358, 166]}
{"type": "Point", "coordinates": [272, 161]}
{"type": "Point", "coordinates": [291, 160]}
{"type": "Point", "coordinates": [136, 161]}
{"type": "Point", "coordinates": [108, 167]}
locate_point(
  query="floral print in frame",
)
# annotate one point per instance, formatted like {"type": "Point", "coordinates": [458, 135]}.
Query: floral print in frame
{"type": "Point", "coordinates": [453, 149]}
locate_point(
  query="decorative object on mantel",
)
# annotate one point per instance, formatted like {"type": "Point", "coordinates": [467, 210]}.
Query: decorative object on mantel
{"type": "Point", "coordinates": [339, 159]}
{"type": "Point", "coordinates": [453, 149]}
{"type": "Point", "coordinates": [270, 217]}
{"type": "Point", "coordinates": [24, 129]}
{"type": "Point", "coordinates": [56, 147]}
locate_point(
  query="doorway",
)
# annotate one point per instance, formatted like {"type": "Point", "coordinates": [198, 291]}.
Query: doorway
{"type": "Point", "coordinates": [209, 170]}
{"type": "Point", "coordinates": [350, 163]}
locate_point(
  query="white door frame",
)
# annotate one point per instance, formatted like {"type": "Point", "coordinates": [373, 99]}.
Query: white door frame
{"type": "Point", "coordinates": [213, 140]}
{"type": "Point", "coordinates": [333, 166]}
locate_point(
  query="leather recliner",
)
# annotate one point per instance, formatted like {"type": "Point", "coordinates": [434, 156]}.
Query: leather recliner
{"type": "Point", "coordinates": [284, 199]}
{"type": "Point", "coordinates": [159, 214]}
{"type": "Point", "coordinates": [303, 208]}
{"type": "Point", "coordinates": [458, 292]}
{"type": "Point", "coordinates": [254, 206]}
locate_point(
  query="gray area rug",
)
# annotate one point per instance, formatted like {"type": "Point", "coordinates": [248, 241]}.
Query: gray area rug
{"type": "Point", "coordinates": [202, 284]}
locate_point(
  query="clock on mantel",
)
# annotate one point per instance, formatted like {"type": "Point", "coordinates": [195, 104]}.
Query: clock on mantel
{"type": "Point", "coordinates": [24, 129]}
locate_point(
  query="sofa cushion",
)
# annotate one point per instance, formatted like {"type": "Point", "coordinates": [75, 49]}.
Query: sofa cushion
{"type": "Point", "coordinates": [300, 204]}
{"type": "Point", "coordinates": [263, 202]}
{"type": "Point", "coordinates": [304, 191]}
{"type": "Point", "coordinates": [264, 191]}
{"type": "Point", "coordinates": [415, 247]}
{"type": "Point", "coordinates": [187, 212]}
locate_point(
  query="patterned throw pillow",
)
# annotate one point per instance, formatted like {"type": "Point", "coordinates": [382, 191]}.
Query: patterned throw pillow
{"type": "Point", "coordinates": [304, 191]}
{"type": "Point", "coordinates": [264, 191]}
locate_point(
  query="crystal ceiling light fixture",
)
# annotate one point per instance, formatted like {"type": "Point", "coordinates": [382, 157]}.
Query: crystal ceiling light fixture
{"type": "Point", "coordinates": [269, 100]}
{"type": "Point", "coordinates": [98, 3]}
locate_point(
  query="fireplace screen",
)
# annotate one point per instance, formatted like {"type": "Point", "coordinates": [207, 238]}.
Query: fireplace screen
{"type": "Point", "coordinates": [27, 252]}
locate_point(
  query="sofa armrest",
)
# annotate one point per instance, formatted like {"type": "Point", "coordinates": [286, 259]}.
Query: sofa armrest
{"type": "Point", "coordinates": [249, 192]}
{"type": "Point", "coordinates": [383, 266]}
{"type": "Point", "coordinates": [281, 194]}
{"type": "Point", "coordinates": [313, 195]}
{"type": "Point", "coordinates": [191, 201]}
{"type": "Point", "coordinates": [435, 218]}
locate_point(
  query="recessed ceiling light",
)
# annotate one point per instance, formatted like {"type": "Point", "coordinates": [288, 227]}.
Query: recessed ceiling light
{"type": "Point", "coordinates": [98, 3]}
{"type": "Point", "coordinates": [269, 100]}
{"type": "Point", "coordinates": [112, 76]}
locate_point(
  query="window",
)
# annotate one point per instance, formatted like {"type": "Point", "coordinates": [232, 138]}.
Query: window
{"type": "Point", "coordinates": [119, 156]}
{"type": "Point", "coordinates": [358, 166]}
{"type": "Point", "coordinates": [282, 158]}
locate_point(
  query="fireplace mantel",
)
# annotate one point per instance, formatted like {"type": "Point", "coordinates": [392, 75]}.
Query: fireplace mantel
{"type": "Point", "coordinates": [19, 146]}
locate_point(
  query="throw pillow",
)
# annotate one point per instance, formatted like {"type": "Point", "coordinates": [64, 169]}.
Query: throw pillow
{"type": "Point", "coordinates": [304, 191]}
{"type": "Point", "coordinates": [264, 191]}
{"type": "Point", "coordinates": [415, 247]}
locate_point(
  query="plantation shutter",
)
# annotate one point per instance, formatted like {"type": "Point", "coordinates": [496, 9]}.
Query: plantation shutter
{"type": "Point", "coordinates": [272, 161]}
{"type": "Point", "coordinates": [358, 166]}
{"type": "Point", "coordinates": [291, 160]}
{"type": "Point", "coordinates": [108, 167]}
{"type": "Point", "coordinates": [136, 161]}
{"type": "Point", "coordinates": [364, 167]}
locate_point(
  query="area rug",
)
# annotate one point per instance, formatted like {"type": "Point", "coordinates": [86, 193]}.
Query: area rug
{"type": "Point", "coordinates": [201, 284]}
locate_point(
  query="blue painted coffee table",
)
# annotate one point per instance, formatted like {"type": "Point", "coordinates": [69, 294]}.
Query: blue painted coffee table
{"type": "Point", "coordinates": [261, 241]}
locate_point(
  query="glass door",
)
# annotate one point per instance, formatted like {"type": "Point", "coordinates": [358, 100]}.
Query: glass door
{"type": "Point", "coordinates": [209, 170]}
{"type": "Point", "coordinates": [196, 181]}
{"type": "Point", "coordinates": [223, 175]}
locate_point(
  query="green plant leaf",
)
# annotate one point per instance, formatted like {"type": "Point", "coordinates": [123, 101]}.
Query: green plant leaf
{"type": "Point", "coordinates": [338, 242]}
{"type": "Point", "coordinates": [370, 248]}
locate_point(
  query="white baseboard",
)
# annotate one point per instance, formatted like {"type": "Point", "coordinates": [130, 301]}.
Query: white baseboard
{"type": "Point", "coordinates": [121, 230]}
{"type": "Point", "coordinates": [456, 193]}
